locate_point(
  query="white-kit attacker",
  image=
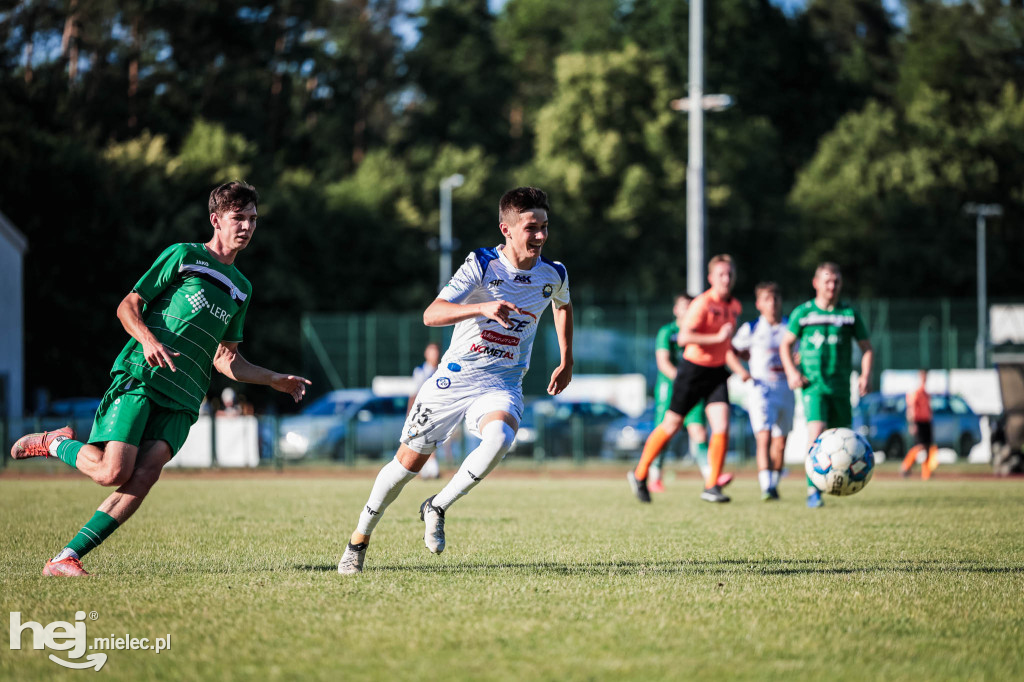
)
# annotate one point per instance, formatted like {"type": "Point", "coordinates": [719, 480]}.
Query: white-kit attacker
{"type": "Point", "coordinates": [495, 301]}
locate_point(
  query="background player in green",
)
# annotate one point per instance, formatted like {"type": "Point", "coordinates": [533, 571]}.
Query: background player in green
{"type": "Point", "coordinates": [826, 329]}
{"type": "Point", "coordinates": [185, 318]}
{"type": "Point", "coordinates": [667, 352]}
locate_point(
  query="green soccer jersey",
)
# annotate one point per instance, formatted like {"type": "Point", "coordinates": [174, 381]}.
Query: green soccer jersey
{"type": "Point", "coordinates": [193, 302]}
{"type": "Point", "coordinates": [667, 339]}
{"type": "Point", "coordinates": [826, 344]}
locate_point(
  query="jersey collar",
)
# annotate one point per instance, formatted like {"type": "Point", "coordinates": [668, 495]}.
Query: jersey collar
{"type": "Point", "coordinates": [501, 256]}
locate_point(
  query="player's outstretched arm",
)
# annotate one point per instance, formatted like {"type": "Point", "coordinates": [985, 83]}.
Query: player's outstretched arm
{"type": "Point", "coordinates": [129, 312]}
{"type": "Point", "coordinates": [732, 361]}
{"type": "Point", "coordinates": [866, 361]}
{"type": "Point", "coordinates": [794, 376]}
{"type": "Point", "coordinates": [442, 313]}
{"type": "Point", "coordinates": [663, 359]}
{"type": "Point", "coordinates": [231, 364]}
{"type": "Point", "coordinates": [688, 336]}
{"type": "Point", "coordinates": [562, 375]}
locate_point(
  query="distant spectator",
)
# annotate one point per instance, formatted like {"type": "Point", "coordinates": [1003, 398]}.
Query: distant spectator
{"type": "Point", "coordinates": [245, 406]}
{"type": "Point", "coordinates": [431, 360]}
{"type": "Point", "coordinates": [229, 404]}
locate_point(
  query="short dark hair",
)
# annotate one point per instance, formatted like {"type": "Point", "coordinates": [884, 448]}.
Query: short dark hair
{"type": "Point", "coordinates": [515, 201]}
{"type": "Point", "coordinates": [766, 286]}
{"type": "Point", "coordinates": [233, 195]}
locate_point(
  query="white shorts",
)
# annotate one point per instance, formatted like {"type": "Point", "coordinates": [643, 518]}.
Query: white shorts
{"type": "Point", "coordinates": [770, 407]}
{"type": "Point", "coordinates": [443, 401]}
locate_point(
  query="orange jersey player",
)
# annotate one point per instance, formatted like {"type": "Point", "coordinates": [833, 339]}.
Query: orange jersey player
{"type": "Point", "coordinates": [706, 338]}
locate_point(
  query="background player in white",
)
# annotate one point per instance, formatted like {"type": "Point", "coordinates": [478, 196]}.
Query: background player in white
{"type": "Point", "coordinates": [495, 300]}
{"type": "Point", "coordinates": [771, 400]}
{"type": "Point", "coordinates": [431, 360]}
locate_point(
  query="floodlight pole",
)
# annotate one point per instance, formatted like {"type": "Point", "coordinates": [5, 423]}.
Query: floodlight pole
{"type": "Point", "coordinates": [445, 247]}
{"type": "Point", "coordinates": [695, 157]}
{"type": "Point", "coordinates": [696, 103]}
{"type": "Point", "coordinates": [981, 212]}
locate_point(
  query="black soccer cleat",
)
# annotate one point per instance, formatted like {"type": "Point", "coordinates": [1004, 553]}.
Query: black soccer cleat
{"type": "Point", "coordinates": [639, 487]}
{"type": "Point", "coordinates": [714, 494]}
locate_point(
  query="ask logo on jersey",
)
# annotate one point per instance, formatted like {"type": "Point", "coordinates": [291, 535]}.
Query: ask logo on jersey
{"type": "Point", "coordinates": [198, 301]}
{"type": "Point", "coordinates": [522, 279]}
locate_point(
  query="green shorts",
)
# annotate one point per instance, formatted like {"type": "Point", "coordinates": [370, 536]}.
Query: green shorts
{"type": "Point", "coordinates": [128, 414]}
{"type": "Point", "coordinates": [832, 408]}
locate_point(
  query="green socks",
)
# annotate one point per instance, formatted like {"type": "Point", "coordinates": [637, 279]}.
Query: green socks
{"type": "Point", "coordinates": [67, 452]}
{"type": "Point", "coordinates": [700, 453]}
{"type": "Point", "coordinates": [99, 528]}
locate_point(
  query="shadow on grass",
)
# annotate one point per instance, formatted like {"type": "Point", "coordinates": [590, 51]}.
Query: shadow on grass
{"type": "Point", "coordinates": [688, 567]}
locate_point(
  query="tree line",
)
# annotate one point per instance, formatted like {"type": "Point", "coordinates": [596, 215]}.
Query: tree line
{"type": "Point", "coordinates": [857, 136]}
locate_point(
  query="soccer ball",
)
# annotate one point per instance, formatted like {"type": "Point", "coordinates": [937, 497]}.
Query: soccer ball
{"type": "Point", "coordinates": [840, 462]}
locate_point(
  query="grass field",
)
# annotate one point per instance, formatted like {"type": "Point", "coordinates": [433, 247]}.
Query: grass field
{"type": "Point", "coordinates": [545, 577]}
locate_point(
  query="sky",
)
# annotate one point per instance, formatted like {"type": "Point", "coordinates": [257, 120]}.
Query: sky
{"type": "Point", "coordinates": [409, 33]}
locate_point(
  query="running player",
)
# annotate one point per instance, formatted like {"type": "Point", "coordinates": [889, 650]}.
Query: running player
{"type": "Point", "coordinates": [706, 333]}
{"type": "Point", "coordinates": [770, 402]}
{"type": "Point", "coordinates": [919, 421]}
{"type": "Point", "coordinates": [495, 301]}
{"type": "Point", "coordinates": [667, 351]}
{"type": "Point", "coordinates": [826, 329]}
{"type": "Point", "coordinates": [185, 317]}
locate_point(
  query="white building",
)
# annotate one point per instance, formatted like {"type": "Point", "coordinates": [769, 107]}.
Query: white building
{"type": "Point", "coordinates": [12, 319]}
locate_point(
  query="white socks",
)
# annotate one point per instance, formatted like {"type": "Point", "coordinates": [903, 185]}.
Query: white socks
{"type": "Point", "coordinates": [497, 437]}
{"type": "Point", "coordinates": [768, 478]}
{"type": "Point", "coordinates": [390, 481]}
{"type": "Point", "coordinates": [65, 553]}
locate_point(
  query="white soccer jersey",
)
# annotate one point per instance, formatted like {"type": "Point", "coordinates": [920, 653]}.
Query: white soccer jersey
{"type": "Point", "coordinates": [770, 400]}
{"type": "Point", "coordinates": [482, 351]}
{"type": "Point", "coordinates": [762, 339]}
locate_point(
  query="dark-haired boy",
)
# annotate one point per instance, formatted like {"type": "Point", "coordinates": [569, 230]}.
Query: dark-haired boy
{"type": "Point", "coordinates": [495, 301]}
{"type": "Point", "coordinates": [185, 317]}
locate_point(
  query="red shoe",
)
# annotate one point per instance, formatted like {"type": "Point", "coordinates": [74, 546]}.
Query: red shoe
{"type": "Point", "coordinates": [38, 444]}
{"type": "Point", "coordinates": [724, 480]}
{"type": "Point", "coordinates": [70, 566]}
{"type": "Point", "coordinates": [656, 486]}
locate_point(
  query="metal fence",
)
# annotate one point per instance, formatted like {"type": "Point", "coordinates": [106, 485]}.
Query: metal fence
{"type": "Point", "coordinates": [342, 350]}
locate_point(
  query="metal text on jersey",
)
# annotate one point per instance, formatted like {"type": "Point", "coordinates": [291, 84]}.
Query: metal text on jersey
{"type": "Point", "coordinates": [491, 352]}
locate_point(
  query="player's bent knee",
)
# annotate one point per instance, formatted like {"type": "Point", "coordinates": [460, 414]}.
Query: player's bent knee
{"type": "Point", "coordinates": [499, 436]}
{"type": "Point", "coordinates": [114, 475]}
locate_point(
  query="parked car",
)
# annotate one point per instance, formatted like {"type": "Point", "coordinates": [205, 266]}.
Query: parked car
{"type": "Point", "coordinates": [882, 419]}
{"type": "Point", "coordinates": [321, 430]}
{"type": "Point", "coordinates": [558, 417]}
{"type": "Point", "coordinates": [625, 438]}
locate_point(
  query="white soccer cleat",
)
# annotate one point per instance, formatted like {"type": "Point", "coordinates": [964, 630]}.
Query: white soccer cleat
{"type": "Point", "coordinates": [352, 560]}
{"type": "Point", "coordinates": [433, 521]}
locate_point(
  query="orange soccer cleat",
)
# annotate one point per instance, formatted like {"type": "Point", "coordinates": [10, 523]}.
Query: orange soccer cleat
{"type": "Point", "coordinates": [38, 444]}
{"type": "Point", "coordinates": [70, 566]}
